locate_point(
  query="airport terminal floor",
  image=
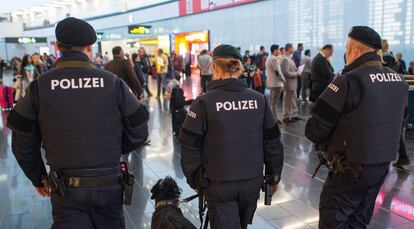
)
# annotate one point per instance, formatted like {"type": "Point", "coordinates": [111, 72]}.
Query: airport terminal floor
{"type": "Point", "coordinates": [295, 205]}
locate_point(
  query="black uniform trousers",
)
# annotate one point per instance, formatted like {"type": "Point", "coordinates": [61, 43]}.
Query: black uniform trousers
{"type": "Point", "coordinates": [231, 205]}
{"type": "Point", "coordinates": [89, 207]}
{"type": "Point", "coordinates": [347, 204]}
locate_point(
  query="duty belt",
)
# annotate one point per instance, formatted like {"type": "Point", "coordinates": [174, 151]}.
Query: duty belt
{"type": "Point", "coordinates": [85, 182]}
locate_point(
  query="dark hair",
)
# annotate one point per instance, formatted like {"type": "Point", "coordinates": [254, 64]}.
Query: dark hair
{"type": "Point", "coordinates": [327, 46]}
{"type": "Point", "coordinates": [273, 48]}
{"type": "Point", "coordinates": [261, 48]}
{"type": "Point", "coordinates": [307, 51]}
{"type": "Point", "coordinates": [300, 44]}
{"type": "Point", "coordinates": [282, 48]}
{"type": "Point", "coordinates": [288, 45]}
{"type": "Point", "coordinates": [24, 64]}
{"type": "Point", "coordinates": [177, 76]}
{"type": "Point", "coordinates": [203, 52]}
{"type": "Point", "coordinates": [238, 48]}
{"type": "Point", "coordinates": [134, 56]}
{"type": "Point", "coordinates": [116, 50]}
{"type": "Point", "coordinates": [247, 51]}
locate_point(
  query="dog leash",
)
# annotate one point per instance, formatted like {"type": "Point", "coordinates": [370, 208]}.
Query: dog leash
{"type": "Point", "coordinates": [202, 206]}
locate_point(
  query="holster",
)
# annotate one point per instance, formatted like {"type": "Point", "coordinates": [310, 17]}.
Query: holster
{"type": "Point", "coordinates": [57, 183]}
{"type": "Point", "coordinates": [200, 179]}
{"type": "Point", "coordinates": [128, 180]}
{"type": "Point", "coordinates": [339, 164]}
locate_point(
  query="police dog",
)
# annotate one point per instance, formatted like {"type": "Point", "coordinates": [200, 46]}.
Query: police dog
{"type": "Point", "coordinates": [166, 194]}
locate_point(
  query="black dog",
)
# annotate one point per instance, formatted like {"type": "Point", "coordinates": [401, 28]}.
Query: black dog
{"type": "Point", "coordinates": [168, 215]}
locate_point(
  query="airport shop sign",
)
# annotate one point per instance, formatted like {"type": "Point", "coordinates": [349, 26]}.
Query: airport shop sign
{"type": "Point", "coordinates": [26, 40]}
{"type": "Point", "coordinates": [139, 29]}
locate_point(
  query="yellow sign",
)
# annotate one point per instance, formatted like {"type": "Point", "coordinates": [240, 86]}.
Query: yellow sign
{"type": "Point", "coordinates": [140, 29]}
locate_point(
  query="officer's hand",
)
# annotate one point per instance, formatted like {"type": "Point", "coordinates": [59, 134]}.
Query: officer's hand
{"type": "Point", "coordinates": [44, 191]}
{"type": "Point", "coordinates": [274, 189]}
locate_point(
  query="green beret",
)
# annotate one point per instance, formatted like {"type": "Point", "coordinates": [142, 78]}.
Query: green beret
{"type": "Point", "coordinates": [226, 51]}
{"type": "Point", "coordinates": [366, 35]}
{"type": "Point", "coordinates": [75, 32]}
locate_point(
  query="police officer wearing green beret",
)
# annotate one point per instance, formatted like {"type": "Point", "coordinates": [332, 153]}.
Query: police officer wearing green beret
{"type": "Point", "coordinates": [84, 118]}
{"type": "Point", "coordinates": [359, 118]}
{"type": "Point", "coordinates": [229, 134]}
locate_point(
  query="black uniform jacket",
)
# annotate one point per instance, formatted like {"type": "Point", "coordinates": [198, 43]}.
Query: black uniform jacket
{"type": "Point", "coordinates": [229, 134]}
{"type": "Point", "coordinates": [82, 116]}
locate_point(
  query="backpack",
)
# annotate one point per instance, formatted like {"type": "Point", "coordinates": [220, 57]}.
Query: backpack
{"type": "Point", "coordinates": [177, 100]}
{"type": "Point", "coordinates": [257, 79]}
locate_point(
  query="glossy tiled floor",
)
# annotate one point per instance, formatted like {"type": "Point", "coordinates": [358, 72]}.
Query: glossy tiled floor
{"type": "Point", "coordinates": [294, 206]}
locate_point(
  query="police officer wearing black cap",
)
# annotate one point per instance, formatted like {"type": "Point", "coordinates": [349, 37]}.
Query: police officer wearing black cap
{"type": "Point", "coordinates": [228, 135]}
{"type": "Point", "coordinates": [84, 118]}
{"type": "Point", "coordinates": [359, 118]}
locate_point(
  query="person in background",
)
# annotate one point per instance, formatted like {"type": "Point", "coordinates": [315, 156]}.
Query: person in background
{"type": "Point", "coordinates": [411, 68]}
{"type": "Point", "coordinates": [297, 58]}
{"type": "Point", "coordinates": [15, 64]}
{"type": "Point", "coordinates": [161, 63]}
{"type": "Point", "coordinates": [249, 68]}
{"type": "Point", "coordinates": [138, 69]}
{"type": "Point", "coordinates": [282, 52]}
{"type": "Point", "coordinates": [205, 62]}
{"type": "Point", "coordinates": [388, 58]}
{"type": "Point", "coordinates": [40, 66]}
{"type": "Point", "coordinates": [260, 62]}
{"type": "Point", "coordinates": [291, 74]}
{"type": "Point", "coordinates": [401, 66]}
{"type": "Point", "coordinates": [322, 72]}
{"type": "Point", "coordinates": [275, 80]}
{"type": "Point", "coordinates": [187, 64]}
{"type": "Point", "coordinates": [47, 61]}
{"type": "Point", "coordinates": [306, 74]}
{"type": "Point", "coordinates": [239, 50]}
{"type": "Point", "coordinates": [145, 63]}
{"type": "Point", "coordinates": [105, 59]}
{"type": "Point", "coordinates": [177, 62]}
{"type": "Point", "coordinates": [246, 55]}
{"type": "Point", "coordinates": [98, 61]}
{"type": "Point", "coordinates": [28, 71]}
{"type": "Point", "coordinates": [2, 67]}
{"type": "Point", "coordinates": [171, 85]}
{"type": "Point", "coordinates": [122, 68]}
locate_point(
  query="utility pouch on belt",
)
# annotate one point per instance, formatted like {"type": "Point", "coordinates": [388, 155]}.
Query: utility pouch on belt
{"type": "Point", "coordinates": [127, 183]}
{"type": "Point", "coordinates": [57, 183]}
{"type": "Point", "coordinates": [339, 164]}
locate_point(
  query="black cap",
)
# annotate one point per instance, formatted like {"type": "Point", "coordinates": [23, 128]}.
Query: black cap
{"type": "Point", "coordinates": [366, 35]}
{"type": "Point", "coordinates": [75, 32]}
{"type": "Point", "coordinates": [226, 51]}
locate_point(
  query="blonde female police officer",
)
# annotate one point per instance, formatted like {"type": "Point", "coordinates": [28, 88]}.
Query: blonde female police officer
{"type": "Point", "coordinates": [359, 117]}
{"type": "Point", "coordinates": [227, 137]}
{"type": "Point", "coordinates": [84, 118]}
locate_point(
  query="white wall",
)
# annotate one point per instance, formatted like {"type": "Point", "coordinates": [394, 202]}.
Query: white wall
{"type": "Point", "coordinates": [8, 29]}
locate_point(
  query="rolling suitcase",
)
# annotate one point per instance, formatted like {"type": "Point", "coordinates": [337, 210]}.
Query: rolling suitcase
{"type": "Point", "coordinates": [6, 98]}
{"type": "Point", "coordinates": [177, 117]}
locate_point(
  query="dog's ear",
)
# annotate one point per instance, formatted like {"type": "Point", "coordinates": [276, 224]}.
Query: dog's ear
{"type": "Point", "coordinates": [156, 189]}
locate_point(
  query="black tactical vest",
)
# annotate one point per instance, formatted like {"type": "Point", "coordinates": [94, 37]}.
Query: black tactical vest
{"type": "Point", "coordinates": [233, 145]}
{"type": "Point", "coordinates": [370, 133]}
{"type": "Point", "coordinates": [79, 117]}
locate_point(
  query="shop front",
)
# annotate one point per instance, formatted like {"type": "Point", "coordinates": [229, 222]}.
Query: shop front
{"type": "Point", "coordinates": [191, 43]}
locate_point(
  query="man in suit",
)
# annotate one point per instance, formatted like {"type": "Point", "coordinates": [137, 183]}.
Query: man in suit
{"type": "Point", "coordinates": [297, 58]}
{"type": "Point", "coordinates": [290, 71]}
{"type": "Point", "coordinates": [322, 72]}
{"type": "Point", "coordinates": [122, 68]}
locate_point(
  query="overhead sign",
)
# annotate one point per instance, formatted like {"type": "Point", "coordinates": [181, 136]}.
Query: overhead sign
{"type": "Point", "coordinates": [99, 35]}
{"type": "Point", "coordinates": [198, 6]}
{"type": "Point", "coordinates": [26, 40]}
{"type": "Point", "coordinates": [139, 29]}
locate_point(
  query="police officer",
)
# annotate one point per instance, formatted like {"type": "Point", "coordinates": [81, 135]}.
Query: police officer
{"type": "Point", "coordinates": [228, 135]}
{"type": "Point", "coordinates": [359, 118]}
{"type": "Point", "coordinates": [84, 118]}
